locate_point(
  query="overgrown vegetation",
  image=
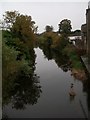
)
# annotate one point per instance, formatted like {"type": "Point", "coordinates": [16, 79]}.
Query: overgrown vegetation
{"type": "Point", "coordinates": [58, 43]}
{"type": "Point", "coordinates": [18, 57]}
{"type": "Point", "coordinates": [70, 51]}
{"type": "Point", "coordinates": [20, 83]}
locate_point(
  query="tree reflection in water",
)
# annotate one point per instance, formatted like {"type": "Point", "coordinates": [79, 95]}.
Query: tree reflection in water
{"type": "Point", "coordinates": [64, 63]}
{"type": "Point", "coordinates": [24, 90]}
{"type": "Point", "coordinates": [61, 60]}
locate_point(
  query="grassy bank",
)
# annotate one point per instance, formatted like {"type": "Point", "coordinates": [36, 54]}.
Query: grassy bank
{"type": "Point", "coordinates": [77, 68]}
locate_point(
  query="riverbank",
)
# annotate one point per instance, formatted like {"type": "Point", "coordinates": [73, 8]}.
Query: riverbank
{"type": "Point", "coordinates": [79, 74]}
{"type": "Point", "coordinates": [85, 62]}
{"type": "Point", "coordinates": [65, 49]}
{"type": "Point", "coordinates": [77, 68]}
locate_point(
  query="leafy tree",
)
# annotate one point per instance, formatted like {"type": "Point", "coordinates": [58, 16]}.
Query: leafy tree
{"type": "Point", "coordinates": [65, 26]}
{"type": "Point", "coordinates": [20, 85]}
{"type": "Point", "coordinates": [19, 60]}
{"type": "Point", "coordinates": [20, 34]}
{"type": "Point", "coordinates": [76, 33]}
{"type": "Point", "coordinates": [9, 19]}
{"type": "Point", "coordinates": [49, 28]}
{"type": "Point", "coordinates": [23, 28]}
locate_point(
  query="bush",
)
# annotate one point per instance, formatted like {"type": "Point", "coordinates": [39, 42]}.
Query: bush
{"type": "Point", "coordinates": [70, 51]}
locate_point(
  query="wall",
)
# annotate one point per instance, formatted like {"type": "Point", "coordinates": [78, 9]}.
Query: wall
{"type": "Point", "coordinates": [88, 32]}
{"type": "Point", "coordinates": [84, 36]}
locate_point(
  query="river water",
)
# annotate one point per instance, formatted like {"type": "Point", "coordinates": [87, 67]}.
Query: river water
{"type": "Point", "coordinates": [54, 101]}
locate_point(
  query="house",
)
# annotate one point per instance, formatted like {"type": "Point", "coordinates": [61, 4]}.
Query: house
{"type": "Point", "coordinates": [88, 31]}
{"type": "Point", "coordinates": [76, 40]}
{"type": "Point", "coordinates": [85, 32]}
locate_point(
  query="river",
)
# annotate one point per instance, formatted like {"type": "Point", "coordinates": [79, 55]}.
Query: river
{"type": "Point", "coordinates": [54, 100]}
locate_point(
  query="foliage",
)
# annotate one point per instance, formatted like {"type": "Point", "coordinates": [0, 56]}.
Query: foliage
{"type": "Point", "coordinates": [9, 19]}
{"type": "Point", "coordinates": [65, 26]}
{"type": "Point", "coordinates": [50, 39]}
{"type": "Point", "coordinates": [21, 26]}
{"type": "Point", "coordinates": [76, 33]}
{"type": "Point", "coordinates": [49, 28]}
{"type": "Point", "coordinates": [9, 67]}
{"type": "Point", "coordinates": [63, 42]}
{"type": "Point", "coordinates": [18, 76]}
{"type": "Point", "coordinates": [21, 33]}
{"type": "Point", "coordinates": [53, 40]}
{"type": "Point", "coordinates": [40, 40]}
{"type": "Point", "coordinates": [70, 50]}
{"type": "Point", "coordinates": [19, 61]}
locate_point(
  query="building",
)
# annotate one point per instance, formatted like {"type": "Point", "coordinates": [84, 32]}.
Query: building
{"type": "Point", "coordinates": [85, 32]}
{"type": "Point", "coordinates": [88, 31]}
{"type": "Point", "coordinates": [76, 40]}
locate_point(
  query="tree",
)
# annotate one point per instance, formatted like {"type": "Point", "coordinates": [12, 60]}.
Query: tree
{"type": "Point", "coordinates": [19, 82]}
{"type": "Point", "coordinates": [65, 26]}
{"type": "Point", "coordinates": [49, 28]}
{"type": "Point", "coordinates": [76, 32]}
{"type": "Point", "coordinates": [9, 19]}
{"type": "Point", "coordinates": [23, 26]}
{"type": "Point", "coordinates": [20, 34]}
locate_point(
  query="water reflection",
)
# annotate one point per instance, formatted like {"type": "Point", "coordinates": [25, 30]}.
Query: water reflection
{"type": "Point", "coordinates": [55, 101]}
{"type": "Point", "coordinates": [61, 60]}
{"type": "Point", "coordinates": [72, 92]}
{"type": "Point", "coordinates": [24, 90]}
{"type": "Point", "coordinates": [47, 52]}
{"type": "Point", "coordinates": [64, 63]}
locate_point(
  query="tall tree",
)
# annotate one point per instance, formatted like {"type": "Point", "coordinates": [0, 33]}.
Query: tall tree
{"type": "Point", "coordinates": [23, 27]}
{"type": "Point", "coordinates": [20, 34]}
{"type": "Point", "coordinates": [65, 26]}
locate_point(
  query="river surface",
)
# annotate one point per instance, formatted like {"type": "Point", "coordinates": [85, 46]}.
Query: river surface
{"type": "Point", "coordinates": [54, 101]}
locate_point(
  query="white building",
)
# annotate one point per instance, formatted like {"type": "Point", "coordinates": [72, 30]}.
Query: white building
{"type": "Point", "coordinates": [73, 39]}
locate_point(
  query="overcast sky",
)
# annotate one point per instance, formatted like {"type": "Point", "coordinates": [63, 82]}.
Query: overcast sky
{"type": "Point", "coordinates": [49, 13]}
